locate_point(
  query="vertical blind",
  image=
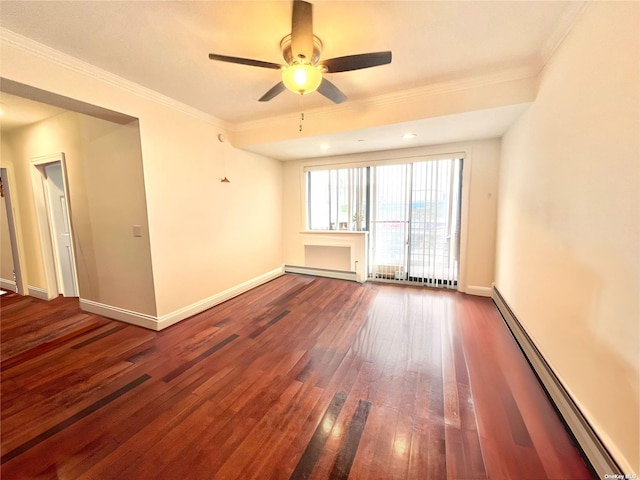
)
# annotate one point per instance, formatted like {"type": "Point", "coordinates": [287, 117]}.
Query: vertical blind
{"type": "Point", "coordinates": [415, 222]}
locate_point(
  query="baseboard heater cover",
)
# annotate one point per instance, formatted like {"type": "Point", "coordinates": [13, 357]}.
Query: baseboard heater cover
{"type": "Point", "coordinates": [594, 450]}
{"type": "Point", "coordinates": [322, 272]}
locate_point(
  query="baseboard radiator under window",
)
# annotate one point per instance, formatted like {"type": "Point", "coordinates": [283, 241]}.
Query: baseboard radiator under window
{"type": "Point", "coordinates": [322, 272]}
{"type": "Point", "coordinates": [592, 447]}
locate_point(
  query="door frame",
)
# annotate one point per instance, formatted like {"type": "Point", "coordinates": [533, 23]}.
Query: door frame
{"type": "Point", "coordinates": [15, 236]}
{"type": "Point", "coordinates": [47, 241]}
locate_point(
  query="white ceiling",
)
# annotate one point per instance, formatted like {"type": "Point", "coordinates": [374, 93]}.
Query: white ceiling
{"type": "Point", "coordinates": [164, 45]}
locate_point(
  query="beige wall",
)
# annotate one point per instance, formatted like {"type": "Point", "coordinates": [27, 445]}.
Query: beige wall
{"type": "Point", "coordinates": [568, 239]}
{"type": "Point", "coordinates": [482, 205]}
{"type": "Point", "coordinates": [106, 195]}
{"type": "Point", "coordinates": [479, 210]}
{"type": "Point", "coordinates": [205, 237]}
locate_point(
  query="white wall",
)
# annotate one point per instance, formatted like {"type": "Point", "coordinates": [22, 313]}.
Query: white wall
{"type": "Point", "coordinates": [205, 237]}
{"type": "Point", "coordinates": [480, 185]}
{"type": "Point", "coordinates": [568, 260]}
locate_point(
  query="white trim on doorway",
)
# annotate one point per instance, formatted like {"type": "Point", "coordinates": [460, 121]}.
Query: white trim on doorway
{"type": "Point", "coordinates": [47, 243]}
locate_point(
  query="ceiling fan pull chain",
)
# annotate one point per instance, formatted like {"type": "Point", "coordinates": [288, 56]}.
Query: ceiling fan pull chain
{"type": "Point", "coordinates": [301, 113]}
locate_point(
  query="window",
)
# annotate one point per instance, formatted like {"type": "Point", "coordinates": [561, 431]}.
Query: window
{"type": "Point", "coordinates": [337, 199]}
{"type": "Point", "coordinates": [411, 211]}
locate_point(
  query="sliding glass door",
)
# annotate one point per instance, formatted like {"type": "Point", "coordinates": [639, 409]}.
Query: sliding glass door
{"type": "Point", "coordinates": [415, 222]}
{"type": "Point", "coordinates": [389, 222]}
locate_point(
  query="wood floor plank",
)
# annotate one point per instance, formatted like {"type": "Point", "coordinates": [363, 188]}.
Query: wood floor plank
{"type": "Point", "coordinates": [20, 449]}
{"type": "Point", "coordinates": [302, 377]}
{"type": "Point", "coordinates": [344, 462]}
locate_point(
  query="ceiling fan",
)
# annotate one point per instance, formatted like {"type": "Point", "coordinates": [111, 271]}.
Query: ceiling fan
{"type": "Point", "coordinates": [303, 72]}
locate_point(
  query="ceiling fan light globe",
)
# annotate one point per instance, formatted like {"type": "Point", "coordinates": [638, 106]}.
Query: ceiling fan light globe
{"type": "Point", "coordinates": [302, 78]}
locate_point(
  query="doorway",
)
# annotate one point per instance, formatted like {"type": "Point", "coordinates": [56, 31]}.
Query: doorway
{"type": "Point", "coordinates": [52, 209]}
{"type": "Point", "coordinates": [415, 223]}
{"type": "Point", "coordinates": [11, 271]}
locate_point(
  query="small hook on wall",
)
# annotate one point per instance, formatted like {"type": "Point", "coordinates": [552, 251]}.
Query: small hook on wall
{"type": "Point", "coordinates": [222, 139]}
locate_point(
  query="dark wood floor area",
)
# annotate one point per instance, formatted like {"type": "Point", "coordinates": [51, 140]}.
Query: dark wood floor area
{"type": "Point", "coordinates": [300, 378]}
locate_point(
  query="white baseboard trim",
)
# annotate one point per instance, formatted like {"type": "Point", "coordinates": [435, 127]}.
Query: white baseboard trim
{"type": "Point", "coordinates": [169, 319]}
{"type": "Point", "coordinates": [322, 272]}
{"type": "Point", "coordinates": [158, 323]}
{"type": "Point", "coordinates": [117, 313]}
{"type": "Point", "coordinates": [40, 293]}
{"type": "Point", "coordinates": [592, 446]}
{"type": "Point", "coordinates": [479, 291]}
{"type": "Point", "coordinates": [9, 285]}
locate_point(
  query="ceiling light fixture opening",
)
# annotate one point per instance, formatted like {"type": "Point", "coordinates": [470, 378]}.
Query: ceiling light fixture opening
{"type": "Point", "coordinates": [325, 146]}
{"type": "Point", "coordinates": [409, 136]}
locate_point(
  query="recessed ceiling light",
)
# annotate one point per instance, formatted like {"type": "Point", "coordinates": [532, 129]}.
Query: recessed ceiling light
{"type": "Point", "coordinates": [409, 136]}
{"type": "Point", "coordinates": [325, 146]}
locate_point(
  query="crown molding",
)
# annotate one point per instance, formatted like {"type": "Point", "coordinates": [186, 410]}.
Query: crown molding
{"type": "Point", "coordinates": [562, 28]}
{"type": "Point", "coordinates": [390, 99]}
{"type": "Point", "coordinates": [84, 68]}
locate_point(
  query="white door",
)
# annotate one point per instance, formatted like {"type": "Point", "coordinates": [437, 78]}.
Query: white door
{"type": "Point", "coordinates": [60, 230]}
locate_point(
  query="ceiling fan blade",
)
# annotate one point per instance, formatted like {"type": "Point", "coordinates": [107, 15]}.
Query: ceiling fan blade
{"type": "Point", "coordinates": [302, 30]}
{"type": "Point", "coordinates": [277, 89]}
{"type": "Point", "coordinates": [356, 62]}
{"type": "Point", "coordinates": [244, 61]}
{"type": "Point", "coordinates": [330, 91]}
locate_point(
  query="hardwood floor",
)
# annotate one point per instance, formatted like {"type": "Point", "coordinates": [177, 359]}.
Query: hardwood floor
{"type": "Point", "coordinates": [300, 378]}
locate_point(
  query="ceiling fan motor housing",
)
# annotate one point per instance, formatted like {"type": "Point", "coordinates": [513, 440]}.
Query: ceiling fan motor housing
{"type": "Point", "coordinates": [287, 54]}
